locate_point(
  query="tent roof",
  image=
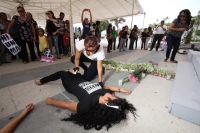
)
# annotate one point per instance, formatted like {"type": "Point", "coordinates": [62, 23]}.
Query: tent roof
{"type": "Point", "coordinates": [100, 9]}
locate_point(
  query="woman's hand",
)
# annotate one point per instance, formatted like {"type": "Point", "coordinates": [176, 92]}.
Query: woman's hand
{"type": "Point", "coordinates": [34, 39]}
{"type": "Point", "coordinates": [54, 33]}
{"type": "Point", "coordinates": [125, 91]}
{"type": "Point", "coordinates": [182, 29]}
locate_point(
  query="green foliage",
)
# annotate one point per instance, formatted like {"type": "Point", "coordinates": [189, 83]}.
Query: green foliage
{"type": "Point", "coordinates": [104, 25]}
{"type": "Point", "coordinates": [197, 32]}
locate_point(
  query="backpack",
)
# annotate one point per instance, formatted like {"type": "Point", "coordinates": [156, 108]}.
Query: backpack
{"type": "Point", "coordinates": [14, 29]}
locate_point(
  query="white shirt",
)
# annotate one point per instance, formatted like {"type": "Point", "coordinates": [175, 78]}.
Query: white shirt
{"type": "Point", "coordinates": [159, 30]}
{"type": "Point", "coordinates": [92, 30]}
{"type": "Point", "coordinates": [99, 55]}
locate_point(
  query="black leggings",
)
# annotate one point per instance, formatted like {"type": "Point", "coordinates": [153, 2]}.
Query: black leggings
{"type": "Point", "coordinates": [66, 78]}
{"type": "Point", "coordinates": [89, 72]}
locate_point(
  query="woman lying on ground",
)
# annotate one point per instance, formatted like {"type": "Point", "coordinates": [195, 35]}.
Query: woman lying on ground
{"type": "Point", "coordinates": [97, 107]}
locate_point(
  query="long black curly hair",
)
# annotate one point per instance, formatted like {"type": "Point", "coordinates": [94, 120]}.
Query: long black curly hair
{"type": "Point", "coordinates": [102, 115]}
{"type": "Point", "coordinates": [188, 15]}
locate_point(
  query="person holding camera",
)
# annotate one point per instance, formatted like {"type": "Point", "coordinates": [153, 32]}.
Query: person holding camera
{"type": "Point", "coordinates": [160, 30]}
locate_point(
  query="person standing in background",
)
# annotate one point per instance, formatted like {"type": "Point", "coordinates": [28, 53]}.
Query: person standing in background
{"type": "Point", "coordinates": [66, 42]}
{"type": "Point", "coordinates": [86, 23]}
{"type": "Point", "coordinates": [114, 33]}
{"type": "Point", "coordinates": [150, 32]}
{"type": "Point", "coordinates": [52, 29]}
{"type": "Point", "coordinates": [79, 33]}
{"type": "Point", "coordinates": [61, 32]}
{"type": "Point", "coordinates": [135, 35]}
{"type": "Point", "coordinates": [160, 30]}
{"type": "Point", "coordinates": [26, 34]}
{"type": "Point", "coordinates": [176, 29]}
{"type": "Point", "coordinates": [109, 38]}
{"type": "Point", "coordinates": [132, 39]}
{"type": "Point", "coordinates": [92, 30]}
{"type": "Point", "coordinates": [120, 34]}
{"type": "Point", "coordinates": [29, 15]}
{"type": "Point", "coordinates": [3, 27]}
{"type": "Point", "coordinates": [97, 31]}
{"type": "Point", "coordinates": [123, 39]}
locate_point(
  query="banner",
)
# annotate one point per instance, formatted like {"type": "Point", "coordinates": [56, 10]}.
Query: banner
{"type": "Point", "coordinates": [10, 44]}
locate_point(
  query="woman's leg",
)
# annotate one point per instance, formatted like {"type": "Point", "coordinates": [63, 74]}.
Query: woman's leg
{"type": "Point", "coordinates": [32, 51]}
{"type": "Point", "coordinates": [169, 45]}
{"type": "Point", "coordinates": [136, 39]}
{"type": "Point", "coordinates": [24, 53]}
{"type": "Point", "coordinates": [114, 44]}
{"type": "Point", "coordinates": [176, 45]}
{"type": "Point", "coordinates": [91, 72]}
{"type": "Point", "coordinates": [62, 104]}
{"type": "Point", "coordinates": [52, 77]}
{"type": "Point", "coordinates": [55, 39]}
{"type": "Point", "coordinates": [121, 44]}
{"type": "Point", "coordinates": [50, 43]}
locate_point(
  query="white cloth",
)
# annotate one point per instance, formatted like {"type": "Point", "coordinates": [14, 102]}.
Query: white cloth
{"type": "Point", "coordinates": [159, 30]}
{"type": "Point", "coordinates": [164, 46]}
{"type": "Point", "coordinates": [99, 55]}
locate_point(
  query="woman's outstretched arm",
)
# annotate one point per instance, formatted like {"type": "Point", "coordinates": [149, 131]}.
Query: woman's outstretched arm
{"type": "Point", "coordinates": [13, 124]}
{"type": "Point", "coordinates": [62, 104]}
{"type": "Point", "coordinates": [117, 89]}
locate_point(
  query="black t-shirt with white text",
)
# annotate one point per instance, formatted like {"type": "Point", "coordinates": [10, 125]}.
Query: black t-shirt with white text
{"type": "Point", "coordinates": [88, 93]}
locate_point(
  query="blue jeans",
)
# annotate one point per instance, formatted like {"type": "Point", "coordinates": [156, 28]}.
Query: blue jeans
{"type": "Point", "coordinates": [53, 39]}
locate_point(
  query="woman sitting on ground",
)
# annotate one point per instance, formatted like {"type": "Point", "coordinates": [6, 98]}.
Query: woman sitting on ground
{"type": "Point", "coordinates": [97, 107]}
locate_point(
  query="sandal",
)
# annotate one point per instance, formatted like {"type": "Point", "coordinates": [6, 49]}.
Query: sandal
{"type": "Point", "coordinates": [165, 60]}
{"type": "Point", "coordinates": [173, 61]}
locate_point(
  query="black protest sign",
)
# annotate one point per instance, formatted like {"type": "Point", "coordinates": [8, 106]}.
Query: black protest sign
{"type": "Point", "coordinates": [10, 43]}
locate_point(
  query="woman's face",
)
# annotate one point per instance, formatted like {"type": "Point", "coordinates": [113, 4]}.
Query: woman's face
{"type": "Point", "coordinates": [28, 16]}
{"type": "Point", "coordinates": [86, 20]}
{"type": "Point", "coordinates": [49, 15]}
{"type": "Point", "coordinates": [21, 11]}
{"type": "Point", "coordinates": [183, 16]}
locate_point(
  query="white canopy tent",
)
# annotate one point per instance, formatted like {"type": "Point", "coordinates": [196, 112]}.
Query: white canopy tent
{"type": "Point", "coordinates": [100, 9]}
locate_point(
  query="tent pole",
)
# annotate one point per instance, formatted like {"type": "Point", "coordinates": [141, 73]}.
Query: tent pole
{"type": "Point", "coordinates": [71, 29]}
{"type": "Point", "coordinates": [143, 21]}
{"type": "Point", "coordinates": [132, 13]}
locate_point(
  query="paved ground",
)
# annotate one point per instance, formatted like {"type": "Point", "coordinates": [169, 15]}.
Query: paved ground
{"type": "Point", "coordinates": [151, 97]}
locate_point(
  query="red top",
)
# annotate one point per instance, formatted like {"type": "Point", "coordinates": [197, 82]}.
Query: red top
{"type": "Point", "coordinates": [120, 33]}
{"type": "Point", "coordinates": [65, 39]}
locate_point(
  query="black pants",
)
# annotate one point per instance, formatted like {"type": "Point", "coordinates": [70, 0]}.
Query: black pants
{"type": "Point", "coordinates": [89, 72]}
{"type": "Point", "coordinates": [118, 43]}
{"type": "Point", "coordinates": [37, 47]}
{"type": "Point", "coordinates": [131, 45]}
{"type": "Point", "coordinates": [143, 43]}
{"type": "Point", "coordinates": [24, 54]}
{"type": "Point", "coordinates": [157, 37]}
{"type": "Point", "coordinates": [126, 42]}
{"type": "Point", "coordinates": [136, 38]}
{"type": "Point", "coordinates": [60, 44]}
{"type": "Point", "coordinates": [114, 43]}
{"type": "Point", "coordinates": [66, 77]}
{"type": "Point", "coordinates": [109, 45]}
{"type": "Point", "coordinates": [175, 42]}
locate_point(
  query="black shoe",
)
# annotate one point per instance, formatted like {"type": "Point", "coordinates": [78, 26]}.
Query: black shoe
{"type": "Point", "coordinates": [150, 50]}
{"type": "Point", "coordinates": [0, 63]}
